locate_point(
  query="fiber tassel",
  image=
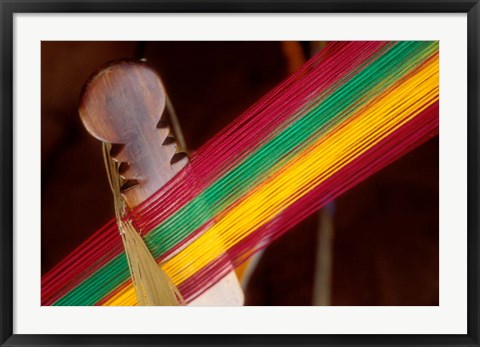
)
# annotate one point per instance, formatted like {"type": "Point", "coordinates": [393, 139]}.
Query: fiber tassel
{"type": "Point", "coordinates": [152, 285]}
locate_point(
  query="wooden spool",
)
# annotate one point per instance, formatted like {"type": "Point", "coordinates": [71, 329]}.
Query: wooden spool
{"type": "Point", "coordinates": [123, 104]}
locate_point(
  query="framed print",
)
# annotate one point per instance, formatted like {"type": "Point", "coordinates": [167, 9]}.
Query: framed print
{"type": "Point", "coordinates": [245, 173]}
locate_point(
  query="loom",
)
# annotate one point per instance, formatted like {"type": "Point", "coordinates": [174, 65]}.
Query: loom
{"type": "Point", "coordinates": [351, 110]}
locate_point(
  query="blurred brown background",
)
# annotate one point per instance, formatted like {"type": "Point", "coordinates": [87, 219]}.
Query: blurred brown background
{"type": "Point", "coordinates": [375, 245]}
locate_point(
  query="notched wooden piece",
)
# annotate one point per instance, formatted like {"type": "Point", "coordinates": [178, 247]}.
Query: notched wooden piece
{"type": "Point", "coordinates": [123, 104]}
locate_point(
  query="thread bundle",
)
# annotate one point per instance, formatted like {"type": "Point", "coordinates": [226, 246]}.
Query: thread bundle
{"type": "Point", "coordinates": [350, 111]}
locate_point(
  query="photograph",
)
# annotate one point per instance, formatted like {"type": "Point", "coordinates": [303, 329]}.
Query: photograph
{"type": "Point", "coordinates": [230, 173]}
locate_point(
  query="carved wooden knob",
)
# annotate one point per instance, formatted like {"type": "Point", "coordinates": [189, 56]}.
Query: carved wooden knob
{"type": "Point", "coordinates": [123, 104]}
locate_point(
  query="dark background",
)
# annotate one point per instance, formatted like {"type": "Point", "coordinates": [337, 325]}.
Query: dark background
{"type": "Point", "coordinates": [385, 243]}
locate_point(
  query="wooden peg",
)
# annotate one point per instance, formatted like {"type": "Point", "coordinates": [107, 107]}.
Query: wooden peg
{"type": "Point", "coordinates": [123, 104]}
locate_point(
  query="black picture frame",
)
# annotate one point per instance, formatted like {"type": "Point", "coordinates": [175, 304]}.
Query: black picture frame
{"type": "Point", "coordinates": [9, 7]}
